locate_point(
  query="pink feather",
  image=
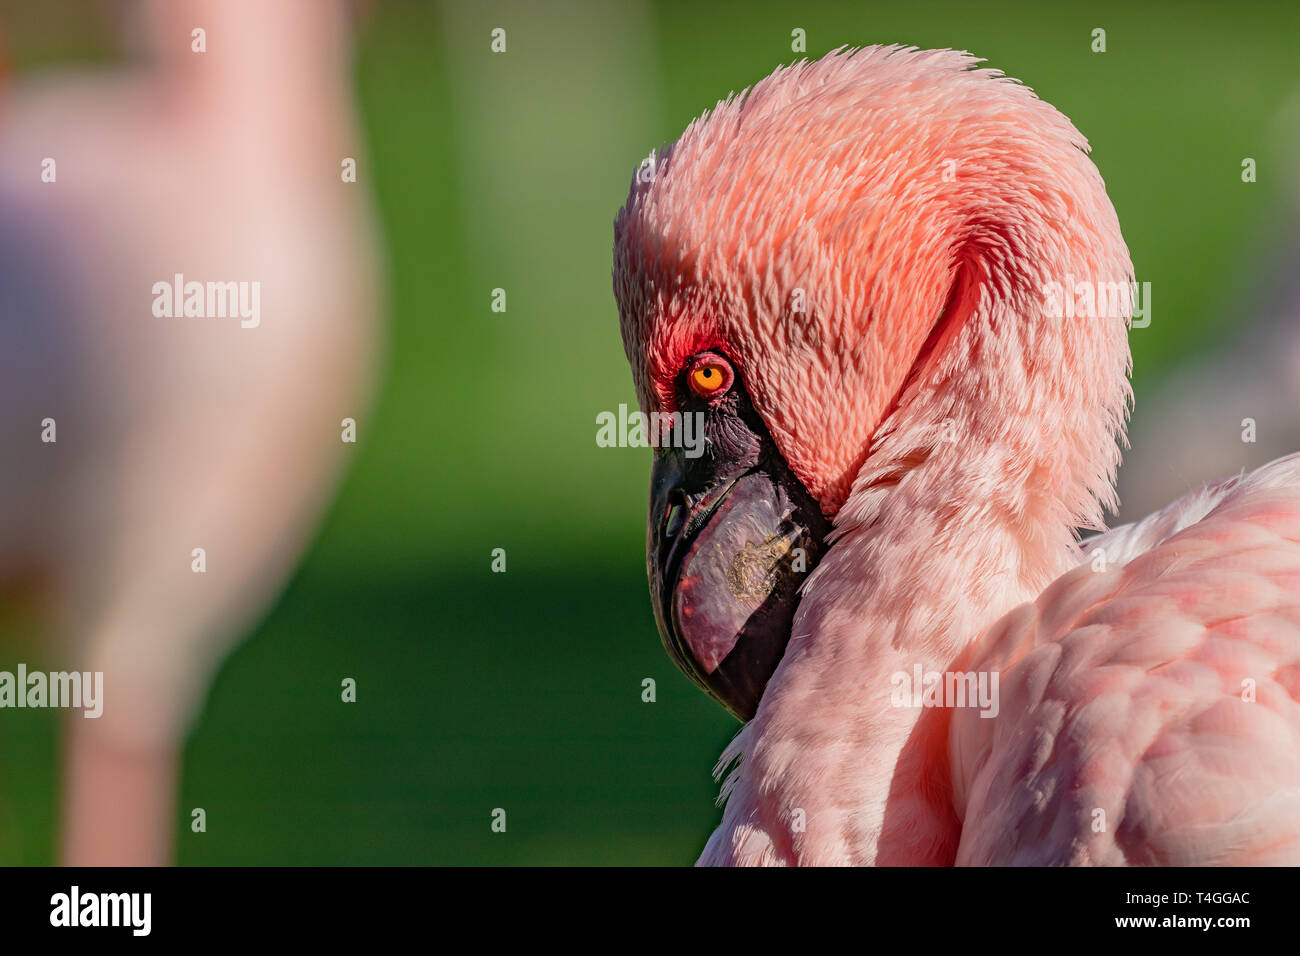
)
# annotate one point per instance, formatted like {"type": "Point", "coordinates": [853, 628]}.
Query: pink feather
{"type": "Point", "coordinates": [959, 432]}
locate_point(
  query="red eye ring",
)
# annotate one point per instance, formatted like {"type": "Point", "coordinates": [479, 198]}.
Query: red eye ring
{"type": "Point", "coordinates": [710, 376]}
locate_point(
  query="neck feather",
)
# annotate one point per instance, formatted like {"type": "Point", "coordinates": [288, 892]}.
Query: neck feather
{"type": "Point", "coordinates": [960, 513]}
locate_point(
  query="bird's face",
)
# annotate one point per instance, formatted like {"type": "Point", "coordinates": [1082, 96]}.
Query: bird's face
{"type": "Point", "coordinates": [801, 264]}
{"type": "Point", "coordinates": [731, 536]}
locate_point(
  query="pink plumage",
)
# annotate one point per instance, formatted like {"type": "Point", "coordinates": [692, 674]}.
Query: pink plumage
{"type": "Point", "coordinates": [871, 240]}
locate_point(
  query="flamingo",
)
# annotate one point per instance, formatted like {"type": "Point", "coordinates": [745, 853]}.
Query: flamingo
{"type": "Point", "coordinates": [847, 272]}
{"type": "Point", "coordinates": [192, 457]}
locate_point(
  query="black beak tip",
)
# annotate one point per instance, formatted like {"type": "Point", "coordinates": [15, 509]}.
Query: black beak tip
{"type": "Point", "coordinates": [725, 566]}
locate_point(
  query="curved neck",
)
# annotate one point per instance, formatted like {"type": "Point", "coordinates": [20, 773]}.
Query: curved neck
{"type": "Point", "coordinates": [957, 516]}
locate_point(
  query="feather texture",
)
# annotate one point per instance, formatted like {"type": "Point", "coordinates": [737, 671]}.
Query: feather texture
{"type": "Point", "coordinates": [873, 239]}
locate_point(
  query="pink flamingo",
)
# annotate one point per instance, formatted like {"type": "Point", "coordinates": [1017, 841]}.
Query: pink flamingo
{"type": "Point", "coordinates": [174, 434]}
{"type": "Point", "coordinates": [848, 271]}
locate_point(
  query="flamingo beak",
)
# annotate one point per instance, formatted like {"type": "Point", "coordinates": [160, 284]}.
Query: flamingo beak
{"type": "Point", "coordinates": [727, 554]}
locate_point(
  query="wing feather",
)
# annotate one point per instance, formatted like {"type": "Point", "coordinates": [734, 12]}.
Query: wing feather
{"type": "Point", "coordinates": [1148, 707]}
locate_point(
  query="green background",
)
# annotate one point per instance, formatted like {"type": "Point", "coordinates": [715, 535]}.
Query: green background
{"type": "Point", "coordinates": [523, 690]}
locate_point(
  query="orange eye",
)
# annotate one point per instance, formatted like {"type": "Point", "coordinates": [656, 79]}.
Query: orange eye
{"type": "Point", "coordinates": [710, 376]}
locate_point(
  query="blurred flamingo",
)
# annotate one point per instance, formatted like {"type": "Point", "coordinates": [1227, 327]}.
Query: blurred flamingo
{"type": "Point", "coordinates": [173, 434]}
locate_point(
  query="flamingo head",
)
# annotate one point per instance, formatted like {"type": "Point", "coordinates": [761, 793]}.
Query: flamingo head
{"type": "Point", "coordinates": [835, 273]}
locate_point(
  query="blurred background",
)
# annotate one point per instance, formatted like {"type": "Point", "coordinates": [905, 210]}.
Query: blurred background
{"type": "Point", "coordinates": [478, 690]}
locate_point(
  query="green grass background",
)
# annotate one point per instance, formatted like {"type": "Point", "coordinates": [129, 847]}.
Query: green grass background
{"type": "Point", "coordinates": [522, 691]}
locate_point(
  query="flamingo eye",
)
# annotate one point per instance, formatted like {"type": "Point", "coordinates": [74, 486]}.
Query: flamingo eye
{"type": "Point", "coordinates": [710, 376]}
